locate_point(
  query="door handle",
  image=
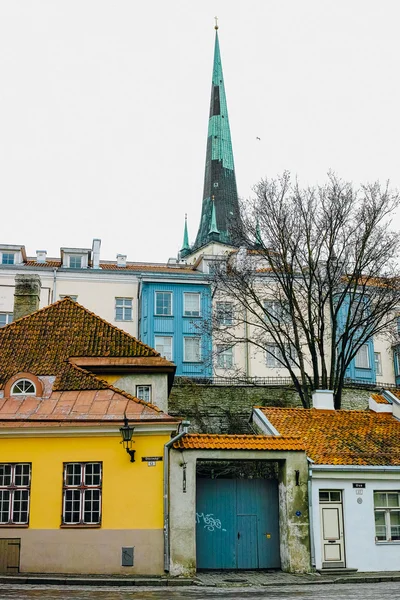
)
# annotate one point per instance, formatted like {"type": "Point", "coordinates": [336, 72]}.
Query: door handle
{"type": "Point", "coordinates": [238, 535]}
{"type": "Point", "coordinates": [332, 541]}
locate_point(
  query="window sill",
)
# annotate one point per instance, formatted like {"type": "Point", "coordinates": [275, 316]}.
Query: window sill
{"type": "Point", "coordinates": [14, 525]}
{"type": "Point", "coordinates": [83, 526]}
{"type": "Point", "coordinates": [192, 316]}
{"type": "Point", "coordinates": [192, 362]}
{"type": "Point", "coordinates": [164, 316]}
{"type": "Point", "coordinates": [124, 320]}
{"type": "Point", "coordinates": [387, 543]}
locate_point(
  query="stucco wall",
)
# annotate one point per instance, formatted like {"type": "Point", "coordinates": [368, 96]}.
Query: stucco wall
{"type": "Point", "coordinates": [128, 383]}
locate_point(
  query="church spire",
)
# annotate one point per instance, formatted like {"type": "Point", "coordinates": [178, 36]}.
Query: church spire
{"type": "Point", "coordinates": [219, 178]}
{"type": "Point", "coordinates": [185, 246]}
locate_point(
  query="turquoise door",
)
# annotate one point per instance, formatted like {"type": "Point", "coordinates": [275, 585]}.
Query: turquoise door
{"type": "Point", "coordinates": [237, 524]}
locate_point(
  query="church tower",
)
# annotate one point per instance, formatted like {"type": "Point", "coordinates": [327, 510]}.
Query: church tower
{"type": "Point", "coordinates": [220, 216]}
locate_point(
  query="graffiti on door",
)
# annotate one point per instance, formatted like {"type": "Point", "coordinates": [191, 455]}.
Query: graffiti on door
{"type": "Point", "coordinates": [210, 522]}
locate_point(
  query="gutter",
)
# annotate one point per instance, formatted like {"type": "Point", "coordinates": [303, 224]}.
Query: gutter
{"type": "Point", "coordinates": [356, 468]}
{"type": "Point", "coordinates": [310, 512]}
{"type": "Point", "coordinates": [168, 445]}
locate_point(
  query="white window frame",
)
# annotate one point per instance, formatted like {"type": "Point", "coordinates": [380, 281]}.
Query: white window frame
{"type": "Point", "coordinates": [224, 357]}
{"type": "Point", "coordinates": [164, 337]}
{"type": "Point", "coordinates": [126, 304]}
{"type": "Point", "coordinates": [7, 253]}
{"type": "Point", "coordinates": [224, 311]}
{"type": "Point", "coordinates": [140, 388]}
{"type": "Point", "coordinates": [74, 257]}
{"type": "Point", "coordinates": [162, 314]}
{"type": "Point", "coordinates": [276, 309]}
{"type": "Point", "coordinates": [358, 357]}
{"type": "Point", "coordinates": [15, 492]}
{"type": "Point", "coordinates": [23, 383]}
{"type": "Point", "coordinates": [191, 313]}
{"type": "Point", "coordinates": [191, 339]}
{"type": "Point", "coordinates": [81, 492]}
{"type": "Point", "coordinates": [8, 318]}
{"type": "Point", "coordinates": [378, 363]}
{"type": "Point", "coordinates": [387, 510]}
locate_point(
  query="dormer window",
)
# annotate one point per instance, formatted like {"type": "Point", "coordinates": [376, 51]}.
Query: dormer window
{"type": "Point", "coordinates": [23, 387]}
{"type": "Point", "coordinates": [8, 258]}
{"type": "Point", "coordinates": [75, 261]}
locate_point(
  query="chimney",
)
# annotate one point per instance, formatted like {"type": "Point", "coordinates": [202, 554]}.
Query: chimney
{"type": "Point", "coordinates": [96, 254]}
{"type": "Point", "coordinates": [26, 295]}
{"type": "Point", "coordinates": [41, 256]}
{"type": "Point", "coordinates": [323, 400]}
{"type": "Point", "coordinates": [121, 260]}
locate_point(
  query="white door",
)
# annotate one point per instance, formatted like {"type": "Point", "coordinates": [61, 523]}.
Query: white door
{"type": "Point", "coordinates": [332, 535]}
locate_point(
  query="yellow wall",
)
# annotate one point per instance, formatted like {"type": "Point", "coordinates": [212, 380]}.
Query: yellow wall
{"type": "Point", "coordinates": [132, 493]}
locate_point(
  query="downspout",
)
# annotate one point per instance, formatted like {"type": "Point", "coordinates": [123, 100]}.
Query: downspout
{"type": "Point", "coordinates": [139, 308]}
{"type": "Point", "coordinates": [310, 512]}
{"type": "Point", "coordinates": [54, 284]}
{"type": "Point", "coordinates": [246, 348]}
{"type": "Point", "coordinates": [185, 426]}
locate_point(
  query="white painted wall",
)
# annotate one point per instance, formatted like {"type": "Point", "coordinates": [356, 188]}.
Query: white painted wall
{"type": "Point", "coordinates": [361, 550]}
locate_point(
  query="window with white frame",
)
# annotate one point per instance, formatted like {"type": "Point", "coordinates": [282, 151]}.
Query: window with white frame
{"type": "Point", "coordinates": [5, 318]}
{"type": "Point", "coordinates": [82, 493]}
{"type": "Point", "coordinates": [191, 349]}
{"type": "Point", "coordinates": [123, 309]}
{"type": "Point", "coordinates": [276, 310]}
{"type": "Point", "coordinates": [378, 363]}
{"type": "Point", "coordinates": [191, 304]}
{"type": "Point", "coordinates": [143, 392]}
{"type": "Point", "coordinates": [23, 387]}
{"type": "Point", "coordinates": [8, 258]}
{"type": "Point", "coordinates": [15, 483]}
{"type": "Point", "coordinates": [387, 516]}
{"type": "Point", "coordinates": [224, 357]}
{"type": "Point", "coordinates": [224, 313]}
{"type": "Point", "coordinates": [163, 345]}
{"type": "Point", "coordinates": [274, 356]}
{"type": "Point", "coordinates": [75, 261]}
{"type": "Point", "coordinates": [362, 357]}
{"type": "Point", "coordinates": [163, 303]}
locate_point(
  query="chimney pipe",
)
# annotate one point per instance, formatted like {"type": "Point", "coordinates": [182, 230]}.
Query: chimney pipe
{"type": "Point", "coordinates": [96, 254]}
{"type": "Point", "coordinates": [323, 399]}
{"type": "Point", "coordinates": [26, 295]}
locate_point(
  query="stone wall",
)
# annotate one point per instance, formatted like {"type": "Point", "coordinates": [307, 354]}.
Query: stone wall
{"type": "Point", "coordinates": [227, 409]}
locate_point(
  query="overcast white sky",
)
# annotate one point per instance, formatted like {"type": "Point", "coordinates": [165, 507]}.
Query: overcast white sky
{"type": "Point", "coordinates": [104, 109]}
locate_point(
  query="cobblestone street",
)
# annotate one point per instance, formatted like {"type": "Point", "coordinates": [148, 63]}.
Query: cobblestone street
{"type": "Point", "coordinates": [382, 591]}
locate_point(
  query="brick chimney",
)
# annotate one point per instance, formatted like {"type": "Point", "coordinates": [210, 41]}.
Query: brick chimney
{"type": "Point", "coordinates": [26, 295]}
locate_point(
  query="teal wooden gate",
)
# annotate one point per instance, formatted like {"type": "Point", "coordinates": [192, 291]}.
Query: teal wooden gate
{"type": "Point", "coordinates": [237, 524]}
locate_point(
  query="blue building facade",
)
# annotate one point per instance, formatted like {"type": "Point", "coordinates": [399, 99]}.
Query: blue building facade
{"type": "Point", "coordinates": [174, 319]}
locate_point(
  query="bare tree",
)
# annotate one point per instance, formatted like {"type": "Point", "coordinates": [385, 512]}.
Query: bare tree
{"type": "Point", "coordinates": [317, 277]}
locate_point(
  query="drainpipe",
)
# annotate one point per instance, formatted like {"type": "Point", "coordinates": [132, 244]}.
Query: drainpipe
{"type": "Point", "coordinates": [54, 285]}
{"type": "Point", "coordinates": [246, 348]}
{"type": "Point", "coordinates": [310, 512]}
{"type": "Point", "coordinates": [185, 427]}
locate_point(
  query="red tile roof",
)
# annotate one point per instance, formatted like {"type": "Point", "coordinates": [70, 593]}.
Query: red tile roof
{"type": "Point", "coordinates": [55, 263]}
{"type": "Point", "coordinates": [379, 399]}
{"type": "Point", "coordinates": [204, 441]}
{"type": "Point", "coordinates": [343, 437]}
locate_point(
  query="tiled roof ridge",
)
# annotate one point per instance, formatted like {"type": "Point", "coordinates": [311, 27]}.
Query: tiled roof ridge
{"type": "Point", "coordinates": [117, 390]}
{"type": "Point", "coordinates": [243, 436]}
{"type": "Point", "coordinates": [68, 300]}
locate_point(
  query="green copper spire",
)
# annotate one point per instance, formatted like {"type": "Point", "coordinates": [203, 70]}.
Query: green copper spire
{"type": "Point", "coordinates": [221, 215]}
{"type": "Point", "coordinates": [185, 246]}
{"type": "Point", "coordinates": [213, 226]}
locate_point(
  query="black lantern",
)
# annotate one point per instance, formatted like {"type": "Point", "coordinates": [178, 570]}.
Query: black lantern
{"type": "Point", "coordinates": [127, 433]}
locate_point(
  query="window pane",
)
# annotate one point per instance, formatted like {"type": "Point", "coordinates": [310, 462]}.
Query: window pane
{"type": "Point", "coordinates": [380, 525]}
{"type": "Point", "coordinates": [324, 496]}
{"type": "Point", "coordinates": [123, 309]}
{"type": "Point", "coordinates": [163, 345]}
{"type": "Point", "coordinates": [191, 304]}
{"type": "Point", "coordinates": [4, 506]}
{"type": "Point", "coordinates": [22, 474]}
{"type": "Point", "coordinates": [143, 392]}
{"type": "Point", "coordinates": [75, 262]}
{"type": "Point", "coordinates": [8, 258]}
{"type": "Point", "coordinates": [73, 474]}
{"type": "Point", "coordinates": [380, 499]}
{"type": "Point", "coordinates": [5, 319]}
{"type": "Point", "coordinates": [92, 474]}
{"type": "Point", "coordinates": [335, 496]}
{"type": "Point", "coordinates": [192, 349]}
{"type": "Point", "coordinates": [91, 511]}
{"type": "Point", "coordinates": [395, 525]}
{"type": "Point", "coordinates": [393, 499]}
{"type": "Point", "coordinates": [224, 313]}
{"type": "Point", "coordinates": [5, 475]}
{"type": "Point", "coordinates": [20, 506]}
{"type": "Point", "coordinates": [163, 303]}
{"type": "Point", "coordinates": [72, 506]}
{"type": "Point", "coordinates": [362, 358]}
{"type": "Point", "coordinates": [378, 363]}
{"type": "Point", "coordinates": [224, 357]}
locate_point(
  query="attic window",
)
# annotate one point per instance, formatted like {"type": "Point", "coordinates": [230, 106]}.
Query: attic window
{"type": "Point", "coordinates": [23, 387]}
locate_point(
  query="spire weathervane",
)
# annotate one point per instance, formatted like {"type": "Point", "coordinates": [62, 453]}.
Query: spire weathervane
{"type": "Point", "coordinates": [216, 23]}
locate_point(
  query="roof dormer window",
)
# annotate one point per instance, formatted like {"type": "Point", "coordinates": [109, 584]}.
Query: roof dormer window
{"type": "Point", "coordinates": [8, 258]}
{"type": "Point", "coordinates": [75, 261]}
{"type": "Point", "coordinates": [23, 387]}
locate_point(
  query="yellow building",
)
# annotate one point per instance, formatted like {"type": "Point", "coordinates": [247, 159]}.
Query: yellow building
{"type": "Point", "coordinates": [72, 500]}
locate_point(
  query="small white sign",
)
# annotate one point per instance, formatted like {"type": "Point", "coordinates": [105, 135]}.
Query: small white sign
{"type": "Point", "coordinates": [359, 492]}
{"type": "Point", "coordinates": [151, 463]}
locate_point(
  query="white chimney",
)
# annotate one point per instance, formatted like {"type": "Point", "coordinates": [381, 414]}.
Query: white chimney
{"type": "Point", "coordinates": [96, 254]}
{"type": "Point", "coordinates": [41, 256]}
{"type": "Point", "coordinates": [323, 399]}
{"type": "Point", "coordinates": [121, 260]}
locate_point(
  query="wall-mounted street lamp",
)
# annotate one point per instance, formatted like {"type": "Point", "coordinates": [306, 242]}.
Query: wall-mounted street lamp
{"type": "Point", "coordinates": [127, 433]}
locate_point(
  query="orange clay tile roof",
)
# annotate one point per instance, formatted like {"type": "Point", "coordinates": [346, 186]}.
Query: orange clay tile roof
{"type": "Point", "coordinates": [343, 437]}
{"type": "Point", "coordinates": [204, 441]}
{"type": "Point", "coordinates": [42, 343]}
{"type": "Point", "coordinates": [114, 267]}
{"type": "Point", "coordinates": [89, 406]}
{"type": "Point", "coordinates": [379, 399]}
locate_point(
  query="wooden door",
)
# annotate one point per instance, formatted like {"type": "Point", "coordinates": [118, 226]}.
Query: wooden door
{"type": "Point", "coordinates": [9, 555]}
